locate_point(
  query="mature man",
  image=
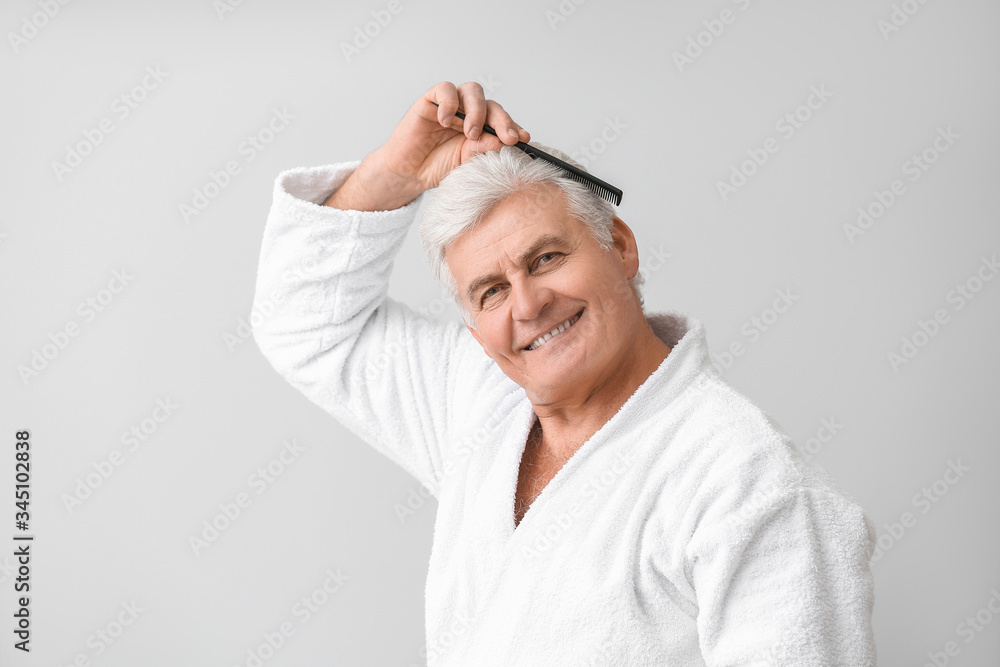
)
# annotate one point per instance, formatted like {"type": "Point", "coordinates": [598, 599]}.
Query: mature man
{"type": "Point", "coordinates": [604, 497]}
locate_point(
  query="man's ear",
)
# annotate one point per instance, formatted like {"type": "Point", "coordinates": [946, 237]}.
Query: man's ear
{"type": "Point", "coordinates": [625, 246]}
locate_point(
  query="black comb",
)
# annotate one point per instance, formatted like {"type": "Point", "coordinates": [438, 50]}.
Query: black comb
{"type": "Point", "coordinates": [603, 189]}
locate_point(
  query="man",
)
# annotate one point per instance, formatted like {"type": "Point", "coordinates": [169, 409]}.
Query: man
{"type": "Point", "coordinates": [604, 497]}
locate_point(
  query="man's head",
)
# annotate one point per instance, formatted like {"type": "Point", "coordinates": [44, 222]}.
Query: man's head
{"type": "Point", "coordinates": [522, 249]}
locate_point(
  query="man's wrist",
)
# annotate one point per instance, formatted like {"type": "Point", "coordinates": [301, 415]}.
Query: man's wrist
{"type": "Point", "coordinates": [372, 187]}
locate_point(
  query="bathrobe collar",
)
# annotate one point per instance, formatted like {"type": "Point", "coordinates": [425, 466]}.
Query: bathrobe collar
{"type": "Point", "coordinates": [688, 358]}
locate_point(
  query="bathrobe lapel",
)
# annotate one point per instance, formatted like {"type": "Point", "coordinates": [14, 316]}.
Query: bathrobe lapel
{"type": "Point", "coordinates": [499, 545]}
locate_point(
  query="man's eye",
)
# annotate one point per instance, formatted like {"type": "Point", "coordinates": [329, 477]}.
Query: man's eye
{"type": "Point", "coordinates": [487, 294]}
{"type": "Point", "coordinates": [548, 254]}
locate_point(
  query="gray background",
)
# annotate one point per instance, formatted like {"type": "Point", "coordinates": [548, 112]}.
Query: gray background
{"type": "Point", "coordinates": [681, 130]}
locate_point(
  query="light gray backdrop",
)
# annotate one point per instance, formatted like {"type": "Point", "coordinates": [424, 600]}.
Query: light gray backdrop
{"type": "Point", "coordinates": [128, 260]}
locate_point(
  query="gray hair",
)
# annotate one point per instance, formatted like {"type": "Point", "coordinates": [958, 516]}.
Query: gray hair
{"type": "Point", "coordinates": [469, 192]}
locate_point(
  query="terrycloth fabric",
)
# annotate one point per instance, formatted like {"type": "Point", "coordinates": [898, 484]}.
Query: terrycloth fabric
{"type": "Point", "coordinates": [687, 531]}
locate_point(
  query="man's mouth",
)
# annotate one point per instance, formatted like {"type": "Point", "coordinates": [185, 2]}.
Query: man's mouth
{"type": "Point", "coordinates": [543, 340]}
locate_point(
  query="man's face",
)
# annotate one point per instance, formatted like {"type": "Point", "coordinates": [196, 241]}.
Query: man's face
{"type": "Point", "coordinates": [531, 267]}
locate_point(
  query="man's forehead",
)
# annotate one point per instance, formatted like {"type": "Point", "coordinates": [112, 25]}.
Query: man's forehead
{"type": "Point", "coordinates": [518, 222]}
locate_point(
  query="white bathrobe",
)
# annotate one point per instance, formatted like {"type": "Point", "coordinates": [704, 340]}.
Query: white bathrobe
{"type": "Point", "coordinates": [687, 531]}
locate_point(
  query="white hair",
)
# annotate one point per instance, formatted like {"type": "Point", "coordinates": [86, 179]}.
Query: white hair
{"type": "Point", "coordinates": [469, 192]}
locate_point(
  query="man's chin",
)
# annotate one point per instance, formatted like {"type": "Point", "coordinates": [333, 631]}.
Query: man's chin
{"type": "Point", "coordinates": [553, 384]}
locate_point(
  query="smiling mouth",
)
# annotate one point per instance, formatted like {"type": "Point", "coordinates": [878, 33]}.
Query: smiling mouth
{"type": "Point", "coordinates": [543, 340]}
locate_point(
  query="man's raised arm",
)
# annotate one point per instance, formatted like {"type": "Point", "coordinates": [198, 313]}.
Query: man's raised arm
{"type": "Point", "coordinates": [329, 327]}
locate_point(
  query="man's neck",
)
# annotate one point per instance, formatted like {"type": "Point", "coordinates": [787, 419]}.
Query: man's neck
{"type": "Point", "coordinates": [565, 427]}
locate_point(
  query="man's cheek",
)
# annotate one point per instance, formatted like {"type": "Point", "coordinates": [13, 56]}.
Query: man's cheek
{"type": "Point", "coordinates": [590, 323]}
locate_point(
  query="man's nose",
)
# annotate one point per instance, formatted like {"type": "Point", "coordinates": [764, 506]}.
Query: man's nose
{"type": "Point", "coordinates": [528, 299]}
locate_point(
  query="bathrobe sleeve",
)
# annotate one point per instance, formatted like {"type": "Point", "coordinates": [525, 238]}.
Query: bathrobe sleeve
{"type": "Point", "coordinates": [787, 584]}
{"type": "Point", "coordinates": [326, 324]}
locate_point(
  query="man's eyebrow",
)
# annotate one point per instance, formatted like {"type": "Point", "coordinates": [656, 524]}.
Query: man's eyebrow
{"type": "Point", "coordinates": [541, 242]}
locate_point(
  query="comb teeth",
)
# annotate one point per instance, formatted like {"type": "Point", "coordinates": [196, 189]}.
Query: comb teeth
{"type": "Point", "coordinates": [594, 186]}
{"type": "Point", "coordinates": [601, 191]}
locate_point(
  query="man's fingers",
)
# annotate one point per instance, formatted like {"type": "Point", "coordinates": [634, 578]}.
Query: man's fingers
{"type": "Point", "coordinates": [470, 99]}
{"type": "Point", "coordinates": [473, 103]}
{"type": "Point", "coordinates": [487, 142]}
{"type": "Point", "coordinates": [445, 95]}
{"type": "Point", "coordinates": [479, 111]}
{"type": "Point", "coordinates": [507, 130]}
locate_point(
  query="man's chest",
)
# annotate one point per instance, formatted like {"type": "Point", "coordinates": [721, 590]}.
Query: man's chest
{"type": "Point", "coordinates": [529, 486]}
{"type": "Point", "coordinates": [537, 469]}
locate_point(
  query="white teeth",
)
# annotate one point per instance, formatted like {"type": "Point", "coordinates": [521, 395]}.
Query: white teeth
{"type": "Point", "coordinates": [541, 340]}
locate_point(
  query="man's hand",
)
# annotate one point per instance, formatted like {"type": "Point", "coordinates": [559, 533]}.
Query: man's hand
{"type": "Point", "coordinates": [427, 143]}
